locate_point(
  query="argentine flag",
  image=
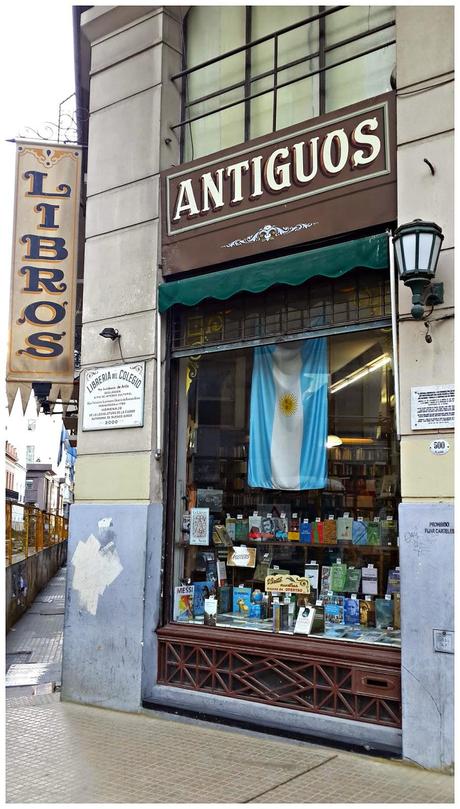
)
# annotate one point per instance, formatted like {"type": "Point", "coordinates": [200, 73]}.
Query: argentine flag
{"type": "Point", "coordinates": [288, 416]}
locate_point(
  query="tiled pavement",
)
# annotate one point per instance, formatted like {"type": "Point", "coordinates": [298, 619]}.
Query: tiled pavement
{"type": "Point", "coordinates": [65, 753]}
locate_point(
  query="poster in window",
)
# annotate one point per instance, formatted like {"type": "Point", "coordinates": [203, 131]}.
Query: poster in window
{"type": "Point", "coordinates": [199, 526]}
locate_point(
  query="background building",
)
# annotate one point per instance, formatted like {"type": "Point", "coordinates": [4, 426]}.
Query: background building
{"type": "Point", "coordinates": [129, 65]}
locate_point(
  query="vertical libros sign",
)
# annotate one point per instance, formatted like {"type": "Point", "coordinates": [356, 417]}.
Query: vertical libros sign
{"type": "Point", "coordinates": [43, 284]}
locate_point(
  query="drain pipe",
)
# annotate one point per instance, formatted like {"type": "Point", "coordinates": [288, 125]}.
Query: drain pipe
{"type": "Point", "coordinates": [394, 331]}
{"type": "Point", "coordinates": [158, 450]}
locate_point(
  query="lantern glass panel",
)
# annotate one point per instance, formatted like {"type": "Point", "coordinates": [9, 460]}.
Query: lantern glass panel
{"type": "Point", "coordinates": [408, 245]}
{"type": "Point", "coordinates": [436, 249]}
{"type": "Point", "coordinates": [399, 256]}
{"type": "Point", "coordinates": [424, 250]}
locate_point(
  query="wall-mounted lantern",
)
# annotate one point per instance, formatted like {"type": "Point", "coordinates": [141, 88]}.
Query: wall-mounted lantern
{"type": "Point", "coordinates": [417, 246]}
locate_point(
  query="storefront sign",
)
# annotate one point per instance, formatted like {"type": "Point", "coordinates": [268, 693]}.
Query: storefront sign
{"type": "Point", "coordinates": [325, 177]}
{"type": "Point", "coordinates": [287, 583]}
{"type": "Point", "coordinates": [42, 308]}
{"type": "Point", "coordinates": [433, 407]}
{"type": "Point", "coordinates": [113, 397]}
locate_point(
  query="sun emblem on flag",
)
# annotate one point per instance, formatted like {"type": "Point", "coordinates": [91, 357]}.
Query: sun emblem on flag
{"type": "Point", "coordinates": [287, 404]}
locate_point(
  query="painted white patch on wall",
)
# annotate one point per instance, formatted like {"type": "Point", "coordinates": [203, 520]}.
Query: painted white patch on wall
{"type": "Point", "coordinates": [95, 568]}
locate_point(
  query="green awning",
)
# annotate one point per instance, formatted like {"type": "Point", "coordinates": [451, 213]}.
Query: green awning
{"type": "Point", "coordinates": [333, 261]}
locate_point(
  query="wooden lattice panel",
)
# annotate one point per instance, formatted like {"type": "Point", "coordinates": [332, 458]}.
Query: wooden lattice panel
{"type": "Point", "coordinates": [365, 690]}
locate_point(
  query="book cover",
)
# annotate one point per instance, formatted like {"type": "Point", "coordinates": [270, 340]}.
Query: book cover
{"type": "Point", "coordinates": [325, 580]}
{"type": "Point", "coordinates": [224, 598]}
{"type": "Point", "coordinates": [338, 577]}
{"type": "Point", "coordinates": [211, 568]}
{"type": "Point", "coordinates": [359, 533]}
{"type": "Point", "coordinates": [367, 612]}
{"type": "Point", "coordinates": [199, 526]}
{"type": "Point", "coordinates": [344, 529]}
{"type": "Point", "coordinates": [312, 574]}
{"type": "Point", "coordinates": [221, 537]}
{"type": "Point", "coordinates": [230, 525]}
{"type": "Point", "coordinates": [183, 603]}
{"type": "Point", "coordinates": [305, 532]}
{"type": "Point", "coordinates": [318, 620]}
{"type": "Point", "coordinates": [369, 581]}
{"type": "Point", "coordinates": [353, 580]}
{"type": "Point", "coordinates": [373, 533]}
{"type": "Point", "coordinates": [255, 526]}
{"type": "Point", "coordinates": [351, 611]}
{"type": "Point", "coordinates": [388, 532]}
{"type": "Point", "coordinates": [383, 613]}
{"type": "Point", "coordinates": [294, 529]}
{"type": "Point", "coordinates": [201, 590]}
{"type": "Point", "coordinates": [281, 528]}
{"type": "Point", "coordinates": [330, 532]}
{"type": "Point", "coordinates": [241, 530]}
{"type": "Point", "coordinates": [317, 536]}
{"type": "Point", "coordinates": [221, 572]}
{"type": "Point", "coordinates": [268, 527]}
{"type": "Point", "coordinates": [334, 611]}
{"type": "Point", "coordinates": [241, 600]}
{"type": "Point", "coordinates": [304, 621]}
{"type": "Point", "coordinates": [210, 612]}
{"type": "Point", "coordinates": [393, 583]}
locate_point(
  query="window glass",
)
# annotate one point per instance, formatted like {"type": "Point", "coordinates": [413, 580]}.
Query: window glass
{"type": "Point", "coordinates": [287, 489]}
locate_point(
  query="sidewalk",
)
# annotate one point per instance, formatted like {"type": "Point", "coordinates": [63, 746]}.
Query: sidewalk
{"type": "Point", "coordinates": [66, 753]}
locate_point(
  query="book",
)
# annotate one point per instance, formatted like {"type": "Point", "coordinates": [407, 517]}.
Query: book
{"type": "Point", "coordinates": [359, 533]}
{"type": "Point", "coordinates": [305, 532]}
{"type": "Point", "coordinates": [199, 526]}
{"type": "Point", "coordinates": [353, 580]}
{"type": "Point", "coordinates": [294, 528]}
{"type": "Point", "coordinates": [268, 527]}
{"type": "Point", "coordinates": [325, 580]}
{"type": "Point", "coordinates": [241, 600]}
{"type": "Point", "coordinates": [330, 532]}
{"type": "Point", "coordinates": [388, 532]}
{"type": "Point", "coordinates": [338, 577]}
{"type": "Point", "coordinates": [333, 611]}
{"type": "Point", "coordinates": [201, 590]}
{"type": "Point", "coordinates": [351, 611]}
{"type": "Point", "coordinates": [366, 612]}
{"type": "Point", "coordinates": [221, 537]}
{"type": "Point", "coordinates": [255, 526]}
{"type": "Point", "coordinates": [383, 613]}
{"type": "Point", "coordinates": [221, 572]}
{"type": "Point", "coordinates": [211, 568]}
{"type": "Point", "coordinates": [230, 525]}
{"type": "Point", "coordinates": [241, 530]}
{"type": "Point", "coordinates": [344, 529]}
{"type": "Point", "coordinates": [210, 612]}
{"type": "Point", "coordinates": [312, 574]}
{"type": "Point", "coordinates": [183, 603]}
{"type": "Point", "coordinates": [317, 536]}
{"type": "Point", "coordinates": [393, 583]}
{"type": "Point", "coordinates": [281, 528]}
{"type": "Point", "coordinates": [373, 533]}
{"type": "Point", "coordinates": [304, 621]}
{"type": "Point", "coordinates": [369, 581]}
{"type": "Point", "coordinates": [264, 559]}
{"type": "Point", "coordinates": [224, 598]}
{"type": "Point", "coordinates": [318, 620]}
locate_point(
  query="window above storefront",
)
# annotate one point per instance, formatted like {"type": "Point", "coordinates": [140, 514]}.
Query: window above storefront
{"type": "Point", "coordinates": [257, 69]}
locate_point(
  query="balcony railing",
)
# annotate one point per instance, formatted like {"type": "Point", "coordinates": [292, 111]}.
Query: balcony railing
{"type": "Point", "coordinates": [29, 530]}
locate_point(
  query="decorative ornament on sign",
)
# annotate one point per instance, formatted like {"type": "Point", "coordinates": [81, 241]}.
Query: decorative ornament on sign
{"type": "Point", "coordinates": [270, 232]}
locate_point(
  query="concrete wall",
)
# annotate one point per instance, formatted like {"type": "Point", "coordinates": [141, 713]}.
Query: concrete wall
{"type": "Point", "coordinates": [425, 121]}
{"type": "Point", "coordinates": [25, 579]}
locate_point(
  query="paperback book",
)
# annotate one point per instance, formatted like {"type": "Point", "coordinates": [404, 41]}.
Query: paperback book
{"type": "Point", "coordinates": [351, 611]}
{"type": "Point", "coordinates": [183, 603]}
{"type": "Point", "coordinates": [268, 527]}
{"type": "Point", "coordinates": [338, 577]}
{"type": "Point", "coordinates": [373, 533]}
{"type": "Point", "coordinates": [383, 613]}
{"type": "Point", "coordinates": [199, 526]}
{"type": "Point", "coordinates": [281, 529]}
{"type": "Point", "coordinates": [221, 537]}
{"type": "Point", "coordinates": [210, 612]}
{"type": "Point", "coordinates": [241, 600]}
{"type": "Point", "coordinates": [305, 532]}
{"type": "Point", "coordinates": [201, 590]}
{"type": "Point", "coordinates": [230, 525]}
{"type": "Point", "coordinates": [353, 580]}
{"type": "Point", "coordinates": [224, 598]}
{"type": "Point", "coordinates": [241, 530]}
{"type": "Point", "coordinates": [294, 529]}
{"type": "Point", "coordinates": [359, 533]}
{"type": "Point", "coordinates": [317, 535]}
{"type": "Point", "coordinates": [366, 612]}
{"type": "Point", "coordinates": [312, 574]}
{"type": "Point", "coordinates": [344, 529]}
{"type": "Point", "coordinates": [325, 580]}
{"type": "Point", "coordinates": [329, 532]}
{"type": "Point", "coordinates": [221, 572]}
{"type": "Point", "coordinates": [388, 532]}
{"type": "Point", "coordinates": [333, 611]}
{"type": "Point", "coordinates": [394, 583]}
{"type": "Point", "coordinates": [255, 526]}
{"type": "Point", "coordinates": [369, 581]}
{"type": "Point", "coordinates": [304, 621]}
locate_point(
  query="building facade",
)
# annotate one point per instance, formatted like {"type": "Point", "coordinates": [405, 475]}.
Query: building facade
{"type": "Point", "coordinates": [246, 169]}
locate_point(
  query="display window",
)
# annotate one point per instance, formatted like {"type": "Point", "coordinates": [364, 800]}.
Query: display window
{"type": "Point", "coordinates": [287, 475]}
